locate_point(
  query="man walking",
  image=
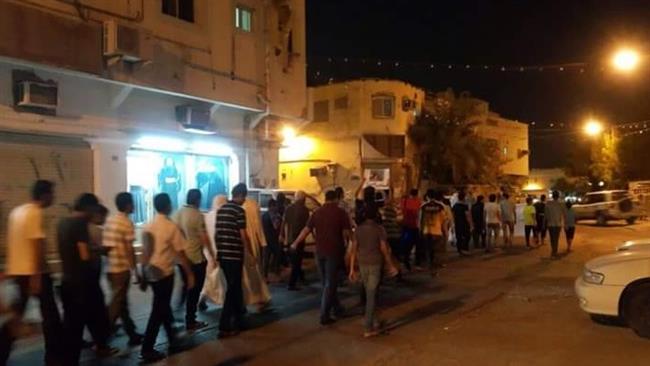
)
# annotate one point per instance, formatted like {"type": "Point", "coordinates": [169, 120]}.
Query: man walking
{"type": "Point", "coordinates": [295, 219]}
{"type": "Point", "coordinates": [508, 219]}
{"type": "Point", "coordinates": [371, 251]}
{"type": "Point", "coordinates": [119, 235]}
{"type": "Point", "coordinates": [163, 244]}
{"type": "Point", "coordinates": [232, 240]}
{"type": "Point", "coordinates": [478, 219]}
{"type": "Point", "coordinates": [192, 224]}
{"type": "Point", "coordinates": [410, 211]}
{"type": "Point", "coordinates": [493, 219]}
{"type": "Point", "coordinates": [26, 265]}
{"type": "Point", "coordinates": [463, 224]}
{"type": "Point", "coordinates": [540, 211]}
{"type": "Point", "coordinates": [555, 214]}
{"type": "Point", "coordinates": [433, 225]}
{"type": "Point", "coordinates": [331, 226]}
{"type": "Point", "coordinates": [81, 294]}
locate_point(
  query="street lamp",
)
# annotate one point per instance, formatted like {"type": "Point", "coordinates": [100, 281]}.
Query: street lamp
{"type": "Point", "coordinates": [593, 128]}
{"type": "Point", "coordinates": [626, 60]}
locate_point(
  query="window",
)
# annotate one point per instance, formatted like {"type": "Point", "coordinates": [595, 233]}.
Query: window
{"type": "Point", "coordinates": [392, 146]}
{"type": "Point", "coordinates": [244, 19]}
{"type": "Point", "coordinates": [383, 106]}
{"type": "Point", "coordinates": [181, 9]}
{"type": "Point", "coordinates": [322, 111]}
{"type": "Point", "coordinates": [594, 198]}
{"type": "Point", "coordinates": [341, 103]}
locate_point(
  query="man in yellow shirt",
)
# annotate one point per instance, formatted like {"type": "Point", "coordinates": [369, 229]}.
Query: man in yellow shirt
{"type": "Point", "coordinates": [433, 230]}
{"type": "Point", "coordinates": [530, 221]}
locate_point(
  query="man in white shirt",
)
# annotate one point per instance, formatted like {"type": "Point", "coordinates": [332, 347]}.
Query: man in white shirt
{"type": "Point", "coordinates": [508, 219]}
{"type": "Point", "coordinates": [192, 224]}
{"type": "Point", "coordinates": [493, 219]}
{"type": "Point", "coordinates": [119, 235]}
{"type": "Point", "coordinates": [163, 243]}
{"type": "Point", "coordinates": [26, 264]}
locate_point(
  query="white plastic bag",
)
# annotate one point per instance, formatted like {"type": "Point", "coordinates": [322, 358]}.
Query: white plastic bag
{"type": "Point", "coordinates": [214, 287]}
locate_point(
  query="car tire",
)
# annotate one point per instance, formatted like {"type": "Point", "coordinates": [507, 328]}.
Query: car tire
{"type": "Point", "coordinates": [637, 309]}
{"type": "Point", "coordinates": [631, 220]}
{"type": "Point", "coordinates": [601, 220]}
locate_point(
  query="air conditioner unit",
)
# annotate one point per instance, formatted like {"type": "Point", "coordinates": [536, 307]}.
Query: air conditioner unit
{"type": "Point", "coordinates": [194, 119]}
{"type": "Point", "coordinates": [121, 41]}
{"type": "Point", "coordinates": [33, 94]}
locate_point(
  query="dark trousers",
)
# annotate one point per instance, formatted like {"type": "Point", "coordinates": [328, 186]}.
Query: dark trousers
{"type": "Point", "coordinates": [296, 264]}
{"type": "Point", "coordinates": [541, 228]}
{"type": "Point", "coordinates": [395, 248]}
{"type": "Point", "coordinates": [478, 236]}
{"type": "Point", "coordinates": [429, 246]}
{"type": "Point", "coordinates": [119, 306]}
{"type": "Point", "coordinates": [554, 232]}
{"type": "Point", "coordinates": [528, 230]}
{"type": "Point", "coordinates": [231, 314]}
{"type": "Point", "coordinates": [462, 238]}
{"type": "Point", "coordinates": [409, 240]}
{"type": "Point", "coordinates": [329, 269]}
{"type": "Point", "coordinates": [83, 305]}
{"type": "Point", "coordinates": [272, 258]}
{"type": "Point", "coordinates": [193, 295]}
{"type": "Point", "coordinates": [52, 328]}
{"type": "Point", "coordinates": [161, 313]}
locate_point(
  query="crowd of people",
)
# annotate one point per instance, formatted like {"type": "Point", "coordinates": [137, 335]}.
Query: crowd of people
{"type": "Point", "coordinates": [228, 256]}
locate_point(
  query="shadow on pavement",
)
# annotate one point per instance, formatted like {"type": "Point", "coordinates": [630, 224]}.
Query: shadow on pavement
{"type": "Point", "coordinates": [433, 308]}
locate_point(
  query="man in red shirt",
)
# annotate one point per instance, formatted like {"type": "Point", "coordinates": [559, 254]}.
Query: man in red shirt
{"type": "Point", "coordinates": [411, 210]}
{"type": "Point", "coordinates": [331, 226]}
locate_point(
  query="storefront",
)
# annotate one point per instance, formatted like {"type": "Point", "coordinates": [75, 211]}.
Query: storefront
{"type": "Point", "coordinates": [66, 161]}
{"type": "Point", "coordinates": [174, 166]}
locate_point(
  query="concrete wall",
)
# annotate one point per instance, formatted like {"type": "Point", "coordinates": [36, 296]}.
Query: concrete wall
{"type": "Point", "coordinates": [208, 59]}
{"type": "Point", "coordinates": [512, 139]}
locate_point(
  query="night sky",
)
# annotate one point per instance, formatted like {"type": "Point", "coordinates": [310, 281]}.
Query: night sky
{"type": "Point", "coordinates": [510, 33]}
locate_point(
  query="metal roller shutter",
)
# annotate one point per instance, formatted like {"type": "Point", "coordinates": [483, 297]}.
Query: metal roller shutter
{"type": "Point", "coordinates": [25, 158]}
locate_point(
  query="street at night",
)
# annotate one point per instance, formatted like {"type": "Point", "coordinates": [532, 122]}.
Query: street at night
{"type": "Point", "coordinates": [324, 182]}
{"type": "Point", "coordinates": [510, 308]}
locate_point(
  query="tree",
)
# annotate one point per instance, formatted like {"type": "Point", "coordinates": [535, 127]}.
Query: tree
{"type": "Point", "coordinates": [605, 165]}
{"type": "Point", "coordinates": [448, 150]}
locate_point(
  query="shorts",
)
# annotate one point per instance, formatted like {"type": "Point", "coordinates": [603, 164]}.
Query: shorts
{"type": "Point", "coordinates": [570, 233]}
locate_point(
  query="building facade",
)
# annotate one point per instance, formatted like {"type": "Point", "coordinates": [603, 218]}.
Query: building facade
{"type": "Point", "coordinates": [146, 96]}
{"type": "Point", "coordinates": [358, 131]}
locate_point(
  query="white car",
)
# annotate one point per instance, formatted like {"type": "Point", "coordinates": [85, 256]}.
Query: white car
{"type": "Point", "coordinates": [618, 285]}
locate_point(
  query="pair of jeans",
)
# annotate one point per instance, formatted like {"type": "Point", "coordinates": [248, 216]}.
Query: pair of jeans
{"type": "Point", "coordinates": [541, 228]}
{"type": "Point", "coordinates": [492, 235]}
{"type": "Point", "coordinates": [192, 299]}
{"type": "Point", "coordinates": [409, 240]}
{"type": "Point", "coordinates": [233, 305]}
{"type": "Point", "coordinates": [296, 264]}
{"type": "Point", "coordinates": [161, 313]}
{"type": "Point", "coordinates": [462, 238]}
{"type": "Point", "coordinates": [119, 306]}
{"type": "Point", "coordinates": [272, 258]}
{"type": "Point", "coordinates": [329, 268]}
{"type": "Point", "coordinates": [554, 233]}
{"type": "Point", "coordinates": [478, 236]}
{"type": "Point", "coordinates": [83, 305]}
{"type": "Point", "coordinates": [528, 230]}
{"type": "Point", "coordinates": [51, 324]}
{"type": "Point", "coordinates": [434, 248]}
{"type": "Point", "coordinates": [508, 232]}
{"type": "Point", "coordinates": [370, 277]}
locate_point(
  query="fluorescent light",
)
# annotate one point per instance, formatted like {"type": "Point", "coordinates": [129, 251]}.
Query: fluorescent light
{"type": "Point", "coordinates": [161, 143]}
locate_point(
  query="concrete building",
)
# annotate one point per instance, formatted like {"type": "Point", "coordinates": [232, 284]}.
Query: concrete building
{"type": "Point", "coordinates": [358, 129]}
{"type": "Point", "coordinates": [510, 136]}
{"type": "Point", "coordinates": [146, 96]}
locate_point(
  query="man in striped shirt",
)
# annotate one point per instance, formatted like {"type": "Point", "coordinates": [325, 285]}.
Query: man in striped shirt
{"type": "Point", "coordinates": [119, 235]}
{"type": "Point", "coordinates": [231, 240]}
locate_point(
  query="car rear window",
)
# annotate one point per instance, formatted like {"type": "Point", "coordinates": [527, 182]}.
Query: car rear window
{"type": "Point", "coordinates": [594, 198]}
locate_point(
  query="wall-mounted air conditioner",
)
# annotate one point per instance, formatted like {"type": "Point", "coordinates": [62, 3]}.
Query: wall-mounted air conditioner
{"type": "Point", "coordinates": [195, 119]}
{"type": "Point", "coordinates": [121, 41]}
{"type": "Point", "coordinates": [33, 94]}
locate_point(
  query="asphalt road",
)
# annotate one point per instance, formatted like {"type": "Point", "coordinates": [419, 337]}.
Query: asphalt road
{"type": "Point", "coordinates": [514, 307]}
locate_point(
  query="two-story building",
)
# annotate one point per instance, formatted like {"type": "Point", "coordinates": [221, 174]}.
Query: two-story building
{"type": "Point", "coordinates": [146, 96]}
{"type": "Point", "coordinates": [358, 130]}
